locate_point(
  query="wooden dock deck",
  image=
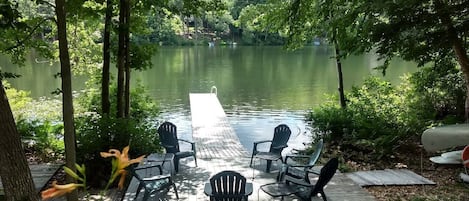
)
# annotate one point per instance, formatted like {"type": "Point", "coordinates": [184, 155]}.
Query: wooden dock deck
{"type": "Point", "coordinates": [41, 174]}
{"type": "Point", "coordinates": [218, 149]}
{"type": "Point", "coordinates": [211, 130]}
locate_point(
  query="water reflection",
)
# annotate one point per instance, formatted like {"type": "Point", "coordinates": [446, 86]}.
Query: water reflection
{"type": "Point", "coordinates": [259, 87]}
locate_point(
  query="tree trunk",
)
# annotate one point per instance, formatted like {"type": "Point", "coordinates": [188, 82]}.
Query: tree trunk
{"type": "Point", "coordinates": [67, 98]}
{"type": "Point", "coordinates": [121, 60]}
{"type": "Point", "coordinates": [458, 48]}
{"type": "Point", "coordinates": [127, 61]}
{"type": "Point", "coordinates": [105, 104]}
{"type": "Point", "coordinates": [463, 61]}
{"type": "Point", "coordinates": [343, 104]}
{"type": "Point", "coordinates": [14, 171]}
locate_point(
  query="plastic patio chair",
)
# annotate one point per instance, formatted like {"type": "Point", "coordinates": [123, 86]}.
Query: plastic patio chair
{"type": "Point", "coordinates": [301, 188]}
{"type": "Point", "coordinates": [228, 186]}
{"type": "Point", "coordinates": [300, 170]}
{"type": "Point", "coordinates": [157, 185]}
{"type": "Point", "coordinates": [169, 140]}
{"type": "Point", "coordinates": [281, 136]}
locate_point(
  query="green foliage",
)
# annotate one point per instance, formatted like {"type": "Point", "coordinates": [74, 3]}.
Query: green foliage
{"type": "Point", "coordinates": [414, 30]}
{"type": "Point", "coordinates": [331, 119]}
{"type": "Point", "coordinates": [142, 106]}
{"type": "Point", "coordinates": [438, 94]}
{"type": "Point", "coordinates": [379, 116]}
{"type": "Point", "coordinates": [18, 99]}
{"type": "Point", "coordinates": [18, 24]}
{"type": "Point", "coordinates": [379, 113]}
{"type": "Point", "coordinates": [38, 122]}
{"type": "Point", "coordinates": [374, 120]}
{"type": "Point", "coordinates": [165, 27]}
{"type": "Point", "coordinates": [43, 138]}
{"type": "Point", "coordinates": [97, 133]}
{"type": "Point", "coordinates": [218, 21]}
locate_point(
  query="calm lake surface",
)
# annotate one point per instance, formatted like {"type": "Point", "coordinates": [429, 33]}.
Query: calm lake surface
{"type": "Point", "coordinates": [259, 87]}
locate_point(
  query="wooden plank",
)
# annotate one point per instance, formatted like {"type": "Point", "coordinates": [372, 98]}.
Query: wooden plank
{"type": "Point", "coordinates": [41, 174]}
{"type": "Point", "coordinates": [388, 177]}
{"type": "Point", "coordinates": [213, 134]}
{"type": "Point", "coordinates": [369, 177]}
{"type": "Point", "coordinates": [415, 177]}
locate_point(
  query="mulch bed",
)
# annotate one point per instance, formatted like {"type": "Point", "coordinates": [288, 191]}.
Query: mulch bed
{"type": "Point", "coordinates": [413, 157]}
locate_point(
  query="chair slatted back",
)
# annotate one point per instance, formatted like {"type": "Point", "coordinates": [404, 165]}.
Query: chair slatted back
{"type": "Point", "coordinates": [317, 153]}
{"type": "Point", "coordinates": [327, 172]}
{"type": "Point", "coordinates": [228, 186]}
{"type": "Point", "coordinates": [281, 136]}
{"type": "Point", "coordinates": [168, 137]}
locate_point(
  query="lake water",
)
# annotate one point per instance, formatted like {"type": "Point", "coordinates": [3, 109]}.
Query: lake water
{"type": "Point", "coordinates": [259, 87]}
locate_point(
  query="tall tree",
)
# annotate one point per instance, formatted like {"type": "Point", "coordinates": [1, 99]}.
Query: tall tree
{"type": "Point", "coordinates": [301, 21]}
{"type": "Point", "coordinates": [67, 98]}
{"type": "Point", "coordinates": [122, 56]}
{"type": "Point", "coordinates": [427, 32]}
{"type": "Point", "coordinates": [128, 61]}
{"type": "Point", "coordinates": [105, 103]}
{"type": "Point", "coordinates": [16, 33]}
{"type": "Point", "coordinates": [14, 171]}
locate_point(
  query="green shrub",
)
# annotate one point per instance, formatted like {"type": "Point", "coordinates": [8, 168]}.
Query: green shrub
{"type": "Point", "coordinates": [142, 107]}
{"type": "Point", "coordinates": [437, 94]}
{"type": "Point", "coordinates": [375, 120]}
{"type": "Point", "coordinates": [43, 138]}
{"type": "Point", "coordinates": [379, 116]}
{"type": "Point", "coordinates": [97, 133]}
{"type": "Point", "coordinates": [331, 120]}
{"type": "Point", "coordinates": [39, 123]}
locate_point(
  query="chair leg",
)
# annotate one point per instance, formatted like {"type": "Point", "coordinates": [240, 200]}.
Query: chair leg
{"type": "Point", "coordinates": [139, 188]}
{"type": "Point", "coordinates": [145, 196]}
{"type": "Point", "coordinates": [176, 164]}
{"type": "Point", "coordinates": [175, 191]}
{"type": "Point", "coordinates": [269, 163]}
{"type": "Point", "coordinates": [250, 164]}
{"type": "Point", "coordinates": [323, 195]}
{"type": "Point", "coordinates": [195, 159]}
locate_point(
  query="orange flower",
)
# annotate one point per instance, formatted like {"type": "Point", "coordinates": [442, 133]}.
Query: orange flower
{"type": "Point", "coordinates": [122, 162]}
{"type": "Point", "coordinates": [59, 190]}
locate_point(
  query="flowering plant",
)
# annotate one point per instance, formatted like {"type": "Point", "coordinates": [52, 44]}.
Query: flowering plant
{"type": "Point", "coordinates": [119, 163]}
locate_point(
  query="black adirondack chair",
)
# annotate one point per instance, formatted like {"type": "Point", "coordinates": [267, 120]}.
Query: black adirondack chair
{"type": "Point", "coordinates": [167, 133]}
{"type": "Point", "coordinates": [281, 136]}
{"type": "Point", "coordinates": [300, 170]}
{"type": "Point", "coordinates": [228, 186]}
{"type": "Point", "coordinates": [302, 187]}
{"type": "Point", "coordinates": [157, 185]}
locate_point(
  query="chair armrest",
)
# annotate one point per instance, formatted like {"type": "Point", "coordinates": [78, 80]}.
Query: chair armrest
{"type": "Point", "coordinates": [262, 141]}
{"type": "Point", "coordinates": [248, 190]}
{"type": "Point", "coordinates": [316, 172]}
{"type": "Point", "coordinates": [158, 177]}
{"type": "Point", "coordinates": [187, 141]}
{"type": "Point", "coordinates": [149, 167]}
{"type": "Point", "coordinates": [280, 147]}
{"type": "Point", "coordinates": [168, 146]}
{"type": "Point", "coordinates": [208, 189]}
{"type": "Point", "coordinates": [254, 149]}
{"type": "Point", "coordinates": [294, 156]}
